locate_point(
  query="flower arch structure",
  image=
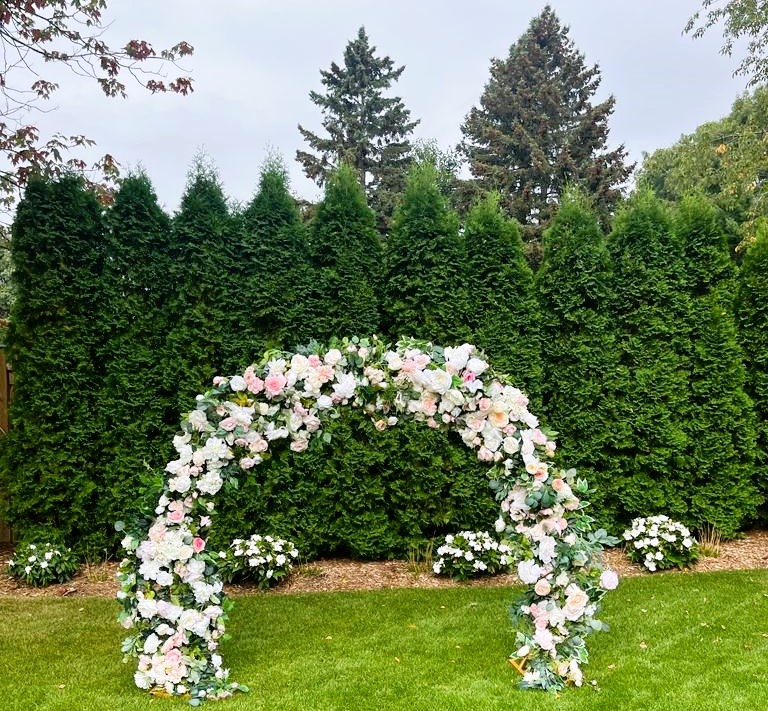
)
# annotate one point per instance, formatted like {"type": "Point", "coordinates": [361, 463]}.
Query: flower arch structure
{"type": "Point", "coordinates": [172, 596]}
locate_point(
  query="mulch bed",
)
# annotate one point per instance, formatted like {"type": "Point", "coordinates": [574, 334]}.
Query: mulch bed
{"type": "Point", "coordinates": [332, 575]}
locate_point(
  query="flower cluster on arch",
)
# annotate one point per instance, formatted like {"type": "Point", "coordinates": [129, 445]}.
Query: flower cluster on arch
{"type": "Point", "coordinates": [172, 595]}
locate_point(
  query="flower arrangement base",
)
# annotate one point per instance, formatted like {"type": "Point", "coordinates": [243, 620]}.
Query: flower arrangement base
{"type": "Point", "coordinates": [518, 664]}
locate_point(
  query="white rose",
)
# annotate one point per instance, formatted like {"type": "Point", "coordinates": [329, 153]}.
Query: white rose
{"type": "Point", "coordinates": [198, 420]}
{"type": "Point", "coordinates": [333, 357]}
{"type": "Point", "coordinates": [528, 571]}
{"type": "Point", "coordinates": [477, 366]}
{"type": "Point", "coordinates": [324, 402]}
{"type": "Point", "coordinates": [438, 380]}
{"type": "Point", "coordinates": [237, 383]}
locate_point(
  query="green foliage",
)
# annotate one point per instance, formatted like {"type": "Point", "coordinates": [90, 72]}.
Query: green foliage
{"type": "Point", "coordinates": [49, 457]}
{"type": "Point", "coordinates": [644, 457]}
{"type": "Point", "coordinates": [201, 238]}
{"type": "Point", "coordinates": [425, 292]}
{"type": "Point", "coordinates": [347, 261]}
{"type": "Point", "coordinates": [724, 160]}
{"type": "Point", "coordinates": [719, 420]}
{"type": "Point", "coordinates": [271, 274]}
{"type": "Point", "coordinates": [752, 319]}
{"type": "Point", "coordinates": [366, 129]}
{"type": "Point", "coordinates": [536, 129]}
{"type": "Point", "coordinates": [367, 494]}
{"type": "Point", "coordinates": [579, 343]}
{"type": "Point", "coordinates": [740, 20]}
{"type": "Point", "coordinates": [136, 406]}
{"type": "Point", "coordinates": [42, 563]}
{"type": "Point", "coordinates": [504, 314]}
{"type": "Point", "coordinates": [6, 279]}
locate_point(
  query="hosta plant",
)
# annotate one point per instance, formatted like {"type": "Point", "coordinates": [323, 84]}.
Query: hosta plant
{"type": "Point", "coordinates": [41, 564]}
{"type": "Point", "coordinates": [263, 559]}
{"type": "Point", "coordinates": [469, 553]}
{"type": "Point", "coordinates": [659, 543]}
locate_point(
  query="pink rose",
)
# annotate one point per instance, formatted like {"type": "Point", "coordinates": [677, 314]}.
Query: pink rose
{"type": "Point", "coordinates": [228, 424]}
{"type": "Point", "coordinates": [484, 404]}
{"type": "Point", "coordinates": [247, 462]}
{"type": "Point", "coordinates": [198, 544]}
{"type": "Point", "coordinates": [557, 484]}
{"type": "Point", "coordinates": [380, 425]}
{"type": "Point", "coordinates": [542, 587]}
{"type": "Point", "coordinates": [274, 384]}
{"type": "Point", "coordinates": [299, 445]}
{"type": "Point", "coordinates": [176, 516]}
{"type": "Point", "coordinates": [218, 380]}
{"type": "Point", "coordinates": [252, 381]}
{"type": "Point", "coordinates": [468, 376]}
{"type": "Point", "coordinates": [314, 360]}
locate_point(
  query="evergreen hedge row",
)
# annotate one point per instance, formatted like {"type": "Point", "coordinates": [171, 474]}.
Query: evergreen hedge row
{"type": "Point", "coordinates": [627, 343]}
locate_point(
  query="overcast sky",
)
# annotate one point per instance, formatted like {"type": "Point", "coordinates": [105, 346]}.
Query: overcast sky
{"type": "Point", "coordinates": [255, 63]}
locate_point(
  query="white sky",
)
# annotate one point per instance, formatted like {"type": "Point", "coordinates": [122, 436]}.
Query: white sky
{"type": "Point", "coordinates": [255, 63]}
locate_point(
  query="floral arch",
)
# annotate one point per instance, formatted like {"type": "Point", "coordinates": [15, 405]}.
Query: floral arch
{"type": "Point", "coordinates": [172, 597]}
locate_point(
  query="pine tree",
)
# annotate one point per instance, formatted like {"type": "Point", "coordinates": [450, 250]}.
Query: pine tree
{"type": "Point", "coordinates": [137, 413]}
{"type": "Point", "coordinates": [347, 258]}
{"type": "Point", "coordinates": [536, 129]}
{"type": "Point", "coordinates": [272, 274]}
{"type": "Point", "coordinates": [49, 456]}
{"type": "Point", "coordinates": [579, 345]}
{"type": "Point", "coordinates": [752, 319]}
{"type": "Point", "coordinates": [366, 129]}
{"type": "Point", "coordinates": [425, 293]}
{"type": "Point", "coordinates": [505, 317]}
{"type": "Point", "coordinates": [202, 261]}
{"type": "Point", "coordinates": [645, 460]}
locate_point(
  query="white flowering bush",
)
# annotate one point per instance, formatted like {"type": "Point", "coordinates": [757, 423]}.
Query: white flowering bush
{"type": "Point", "coordinates": [41, 564]}
{"type": "Point", "coordinates": [263, 559]}
{"type": "Point", "coordinates": [173, 603]}
{"type": "Point", "coordinates": [659, 543]}
{"type": "Point", "coordinates": [468, 554]}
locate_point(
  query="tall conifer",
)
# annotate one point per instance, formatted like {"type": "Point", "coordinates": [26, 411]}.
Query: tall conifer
{"type": "Point", "coordinates": [579, 344]}
{"type": "Point", "coordinates": [49, 457]}
{"type": "Point", "coordinates": [347, 259]}
{"type": "Point", "coordinates": [537, 129]}
{"type": "Point", "coordinates": [504, 313]}
{"type": "Point", "coordinates": [366, 129]}
{"type": "Point", "coordinates": [425, 287]}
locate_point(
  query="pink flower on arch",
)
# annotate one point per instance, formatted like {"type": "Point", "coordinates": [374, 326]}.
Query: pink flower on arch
{"type": "Point", "coordinates": [274, 384]}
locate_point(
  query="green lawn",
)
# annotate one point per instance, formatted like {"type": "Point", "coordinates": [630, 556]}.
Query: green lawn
{"type": "Point", "coordinates": [689, 642]}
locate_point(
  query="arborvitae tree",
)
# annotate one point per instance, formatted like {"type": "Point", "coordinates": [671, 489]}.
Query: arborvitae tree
{"type": "Point", "coordinates": [272, 275]}
{"type": "Point", "coordinates": [202, 262]}
{"type": "Point", "coordinates": [48, 468]}
{"type": "Point", "coordinates": [504, 314]}
{"type": "Point", "coordinates": [347, 258]}
{"type": "Point", "coordinates": [536, 129]}
{"type": "Point", "coordinates": [720, 421]}
{"type": "Point", "coordinates": [366, 129]}
{"type": "Point", "coordinates": [136, 410]}
{"type": "Point", "coordinates": [579, 345]}
{"type": "Point", "coordinates": [645, 459]}
{"type": "Point", "coordinates": [752, 319]}
{"type": "Point", "coordinates": [425, 293]}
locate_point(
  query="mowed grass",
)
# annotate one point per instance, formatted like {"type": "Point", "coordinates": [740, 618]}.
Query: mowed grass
{"type": "Point", "coordinates": [689, 642]}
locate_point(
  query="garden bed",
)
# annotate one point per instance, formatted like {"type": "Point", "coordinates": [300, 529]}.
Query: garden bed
{"type": "Point", "coordinates": [329, 575]}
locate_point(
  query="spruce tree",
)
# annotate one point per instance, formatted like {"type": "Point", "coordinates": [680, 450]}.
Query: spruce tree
{"type": "Point", "coordinates": [272, 273]}
{"type": "Point", "coordinates": [137, 412]}
{"type": "Point", "coordinates": [579, 345]}
{"type": "Point", "coordinates": [752, 320]}
{"type": "Point", "coordinates": [504, 316]}
{"type": "Point", "coordinates": [204, 291]}
{"type": "Point", "coordinates": [425, 292]}
{"type": "Point", "coordinates": [537, 129]}
{"type": "Point", "coordinates": [347, 260]}
{"type": "Point", "coordinates": [49, 466]}
{"type": "Point", "coordinates": [366, 129]}
{"type": "Point", "coordinates": [645, 460]}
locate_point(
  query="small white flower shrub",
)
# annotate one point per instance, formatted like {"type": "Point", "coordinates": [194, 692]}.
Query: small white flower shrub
{"type": "Point", "coordinates": [469, 553]}
{"type": "Point", "coordinates": [658, 543]}
{"type": "Point", "coordinates": [41, 564]}
{"type": "Point", "coordinates": [263, 559]}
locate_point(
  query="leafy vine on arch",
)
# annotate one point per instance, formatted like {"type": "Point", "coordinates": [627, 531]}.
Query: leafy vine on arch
{"type": "Point", "coordinates": [172, 597]}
